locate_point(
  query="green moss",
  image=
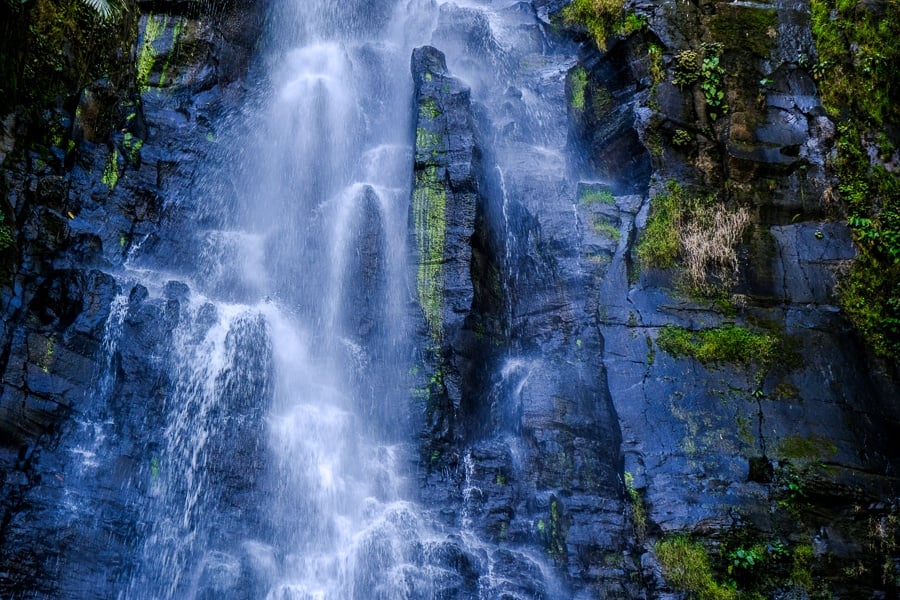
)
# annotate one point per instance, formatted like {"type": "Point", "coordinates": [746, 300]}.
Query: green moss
{"type": "Point", "coordinates": [729, 344]}
{"type": "Point", "coordinates": [147, 53]}
{"type": "Point", "coordinates": [659, 244]}
{"type": "Point", "coordinates": [578, 83]}
{"type": "Point", "coordinates": [600, 17]}
{"type": "Point", "coordinates": [801, 569]}
{"type": "Point", "coordinates": [801, 448]}
{"type": "Point", "coordinates": [638, 510]}
{"type": "Point", "coordinates": [686, 565]}
{"type": "Point", "coordinates": [7, 235]}
{"type": "Point", "coordinates": [630, 23]}
{"type": "Point", "coordinates": [428, 109]}
{"type": "Point", "coordinates": [682, 138]}
{"type": "Point", "coordinates": [111, 170]}
{"type": "Point", "coordinates": [556, 537]}
{"type": "Point", "coordinates": [132, 145]}
{"type": "Point", "coordinates": [427, 142]}
{"type": "Point", "coordinates": [858, 48]}
{"type": "Point", "coordinates": [745, 28]}
{"type": "Point", "coordinates": [430, 222]}
{"type": "Point", "coordinates": [606, 229]}
{"type": "Point", "coordinates": [595, 196]}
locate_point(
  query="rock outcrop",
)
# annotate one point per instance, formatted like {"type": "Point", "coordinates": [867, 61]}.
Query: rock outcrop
{"type": "Point", "coordinates": [89, 166]}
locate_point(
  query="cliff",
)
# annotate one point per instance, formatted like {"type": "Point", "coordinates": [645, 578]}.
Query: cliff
{"type": "Point", "coordinates": [649, 357]}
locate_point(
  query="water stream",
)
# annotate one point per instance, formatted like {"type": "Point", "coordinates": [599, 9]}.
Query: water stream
{"type": "Point", "coordinates": [285, 461]}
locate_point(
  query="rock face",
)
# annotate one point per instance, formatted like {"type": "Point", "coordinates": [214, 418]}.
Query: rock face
{"type": "Point", "coordinates": [563, 437]}
{"type": "Point", "coordinates": [87, 182]}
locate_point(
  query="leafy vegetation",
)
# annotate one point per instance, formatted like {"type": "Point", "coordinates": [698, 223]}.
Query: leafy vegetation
{"type": "Point", "coordinates": [729, 343]}
{"type": "Point", "coordinates": [660, 243]}
{"type": "Point", "coordinates": [859, 47]}
{"type": "Point", "coordinates": [66, 47]}
{"type": "Point", "coordinates": [105, 8]}
{"type": "Point", "coordinates": [711, 74]}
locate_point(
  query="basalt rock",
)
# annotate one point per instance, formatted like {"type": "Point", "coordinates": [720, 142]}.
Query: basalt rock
{"type": "Point", "coordinates": [87, 181]}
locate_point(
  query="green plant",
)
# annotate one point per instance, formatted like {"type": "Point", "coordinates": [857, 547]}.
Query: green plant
{"type": "Point", "coordinates": [687, 68]}
{"type": "Point", "coordinates": [631, 23]}
{"type": "Point", "coordinates": [700, 231]}
{"type": "Point", "coordinates": [595, 196]}
{"type": "Point", "coordinates": [606, 229]}
{"type": "Point", "coordinates": [711, 73]}
{"type": "Point", "coordinates": [857, 48]}
{"type": "Point", "coordinates": [744, 563]}
{"type": "Point", "coordinates": [686, 565]}
{"type": "Point", "coordinates": [7, 238]}
{"type": "Point", "coordinates": [599, 17]}
{"type": "Point", "coordinates": [660, 241]}
{"type": "Point", "coordinates": [682, 138]}
{"type": "Point", "coordinates": [655, 64]}
{"type": "Point", "coordinates": [801, 567]}
{"type": "Point", "coordinates": [730, 343]}
{"type": "Point", "coordinates": [578, 82]}
{"type": "Point", "coordinates": [638, 510]}
{"type": "Point", "coordinates": [105, 8]}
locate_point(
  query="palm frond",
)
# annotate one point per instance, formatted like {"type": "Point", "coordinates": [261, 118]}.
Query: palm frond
{"type": "Point", "coordinates": [105, 8]}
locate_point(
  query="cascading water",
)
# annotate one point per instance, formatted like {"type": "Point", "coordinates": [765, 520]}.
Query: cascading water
{"type": "Point", "coordinates": [282, 461]}
{"type": "Point", "coordinates": [280, 470]}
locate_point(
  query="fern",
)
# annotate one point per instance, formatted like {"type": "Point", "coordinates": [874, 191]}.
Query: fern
{"type": "Point", "coordinates": [105, 8]}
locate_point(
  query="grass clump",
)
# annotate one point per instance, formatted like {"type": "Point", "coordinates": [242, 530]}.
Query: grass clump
{"type": "Point", "coordinates": [578, 83]}
{"type": "Point", "coordinates": [600, 17]}
{"type": "Point", "coordinates": [686, 565]}
{"type": "Point", "coordinates": [638, 510]}
{"type": "Point", "coordinates": [659, 245]}
{"type": "Point", "coordinates": [730, 343]}
{"type": "Point", "coordinates": [607, 229]}
{"type": "Point", "coordinates": [699, 233]}
{"type": "Point", "coordinates": [594, 196]}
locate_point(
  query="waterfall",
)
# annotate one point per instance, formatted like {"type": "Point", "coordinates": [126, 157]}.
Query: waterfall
{"type": "Point", "coordinates": [282, 459]}
{"type": "Point", "coordinates": [273, 346]}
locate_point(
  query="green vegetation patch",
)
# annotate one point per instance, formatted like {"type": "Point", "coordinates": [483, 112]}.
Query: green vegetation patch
{"type": "Point", "coordinates": [801, 448]}
{"type": "Point", "coordinates": [595, 196]}
{"type": "Point", "coordinates": [430, 222]}
{"type": "Point", "coordinates": [729, 343]}
{"type": "Point", "coordinates": [7, 238]}
{"type": "Point", "coordinates": [859, 47]}
{"type": "Point", "coordinates": [744, 27]}
{"type": "Point", "coordinates": [578, 83]}
{"type": "Point", "coordinates": [606, 229]}
{"type": "Point", "coordinates": [687, 566]}
{"type": "Point", "coordinates": [659, 245]}
{"type": "Point", "coordinates": [601, 18]}
{"type": "Point", "coordinates": [696, 232]}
